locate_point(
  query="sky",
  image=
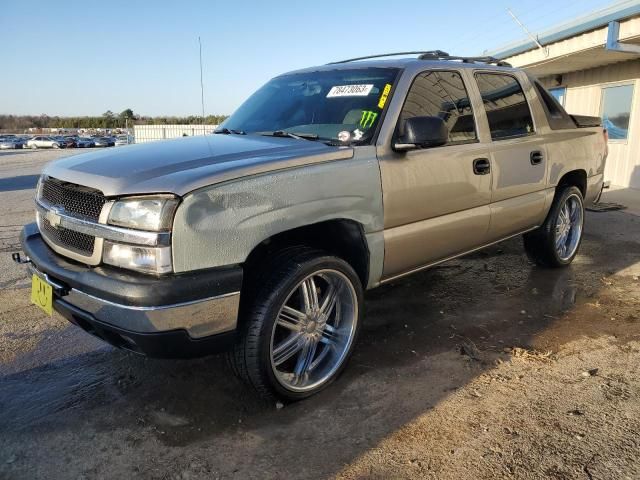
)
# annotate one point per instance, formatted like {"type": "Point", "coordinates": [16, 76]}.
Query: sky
{"type": "Point", "coordinates": [83, 57]}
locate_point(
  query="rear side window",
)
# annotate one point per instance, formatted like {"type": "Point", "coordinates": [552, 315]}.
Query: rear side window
{"type": "Point", "coordinates": [556, 115]}
{"type": "Point", "coordinates": [437, 93]}
{"type": "Point", "coordinates": [506, 106]}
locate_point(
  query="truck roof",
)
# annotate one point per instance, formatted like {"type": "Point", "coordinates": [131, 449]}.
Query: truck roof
{"type": "Point", "coordinates": [429, 59]}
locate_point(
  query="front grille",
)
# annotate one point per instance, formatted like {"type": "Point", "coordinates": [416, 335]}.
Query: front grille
{"type": "Point", "coordinates": [77, 242]}
{"type": "Point", "coordinates": [74, 199]}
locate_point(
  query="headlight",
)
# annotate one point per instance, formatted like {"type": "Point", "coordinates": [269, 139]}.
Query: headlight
{"type": "Point", "coordinates": [153, 213]}
{"type": "Point", "coordinates": [133, 257]}
{"type": "Point", "coordinates": [39, 188]}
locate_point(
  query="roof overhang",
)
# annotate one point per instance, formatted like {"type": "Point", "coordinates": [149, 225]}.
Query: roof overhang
{"type": "Point", "coordinates": [580, 44]}
{"type": "Point", "coordinates": [580, 52]}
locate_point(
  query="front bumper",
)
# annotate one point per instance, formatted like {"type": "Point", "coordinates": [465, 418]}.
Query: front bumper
{"type": "Point", "coordinates": [180, 315]}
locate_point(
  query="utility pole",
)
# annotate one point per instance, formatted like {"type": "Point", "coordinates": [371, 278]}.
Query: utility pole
{"type": "Point", "coordinates": [201, 85]}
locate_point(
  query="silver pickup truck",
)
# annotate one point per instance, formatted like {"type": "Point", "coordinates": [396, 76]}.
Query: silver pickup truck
{"type": "Point", "coordinates": [260, 239]}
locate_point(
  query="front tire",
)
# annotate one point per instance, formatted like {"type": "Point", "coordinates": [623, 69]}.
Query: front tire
{"type": "Point", "coordinates": [555, 244]}
{"type": "Point", "coordinates": [299, 327]}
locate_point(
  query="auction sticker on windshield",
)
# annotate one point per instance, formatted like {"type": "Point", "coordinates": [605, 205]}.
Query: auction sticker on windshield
{"type": "Point", "coordinates": [350, 91]}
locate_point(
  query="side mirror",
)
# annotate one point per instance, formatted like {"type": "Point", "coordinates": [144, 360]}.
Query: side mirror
{"type": "Point", "coordinates": [422, 132]}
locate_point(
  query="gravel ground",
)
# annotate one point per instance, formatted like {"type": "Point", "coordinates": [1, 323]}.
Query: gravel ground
{"type": "Point", "coordinates": [485, 367]}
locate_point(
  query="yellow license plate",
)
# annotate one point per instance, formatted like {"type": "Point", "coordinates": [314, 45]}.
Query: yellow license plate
{"type": "Point", "coordinates": [42, 294]}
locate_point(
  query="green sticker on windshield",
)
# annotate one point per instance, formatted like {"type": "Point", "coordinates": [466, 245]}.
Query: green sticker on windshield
{"type": "Point", "coordinates": [368, 118]}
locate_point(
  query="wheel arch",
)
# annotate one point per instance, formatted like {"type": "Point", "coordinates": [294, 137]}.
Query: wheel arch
{"type": "Point", "coordinates": [344, 238]}
{"type": "Point", "coordinates": [576, 178]}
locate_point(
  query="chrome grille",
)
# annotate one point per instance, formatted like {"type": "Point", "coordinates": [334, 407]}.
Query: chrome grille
{"type": "Point", "coordinates": [77, 242]}
{"type": "Point", "coordinates": [74, 199]}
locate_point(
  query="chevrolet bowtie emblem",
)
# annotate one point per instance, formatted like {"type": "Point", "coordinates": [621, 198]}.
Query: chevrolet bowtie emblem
{"type": "Point", "coordinates": [53, 218]}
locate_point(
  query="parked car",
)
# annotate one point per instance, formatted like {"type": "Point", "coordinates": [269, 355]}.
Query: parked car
{"type": "Point", "coordinates": [44, 142]}
{"type": "Point", "coordinates": [104, 141]}
{"type": "Point", "coordinates": [6, 143]}
{"type": "Point", "coordinates": [260, 239]}
{"type": "Point", "coordinates": [66, 141]}
{"type": "Point", "coordinates": [11, 142]}
{"type": "Point", "coordinates": [84, 142]}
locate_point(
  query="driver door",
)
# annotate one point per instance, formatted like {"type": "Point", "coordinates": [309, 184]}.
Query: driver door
{"type": "Point", "coordinates": [436, 200]}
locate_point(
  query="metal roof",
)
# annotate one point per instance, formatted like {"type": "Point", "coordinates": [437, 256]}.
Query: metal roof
{"type": "Point", "coordinates": [600, 18]}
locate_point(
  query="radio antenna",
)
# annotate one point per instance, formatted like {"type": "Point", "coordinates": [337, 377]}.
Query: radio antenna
{"type": "Point", "coordinates": [529, 34]}
{"type": "Point", "coordinates": [201, 85]}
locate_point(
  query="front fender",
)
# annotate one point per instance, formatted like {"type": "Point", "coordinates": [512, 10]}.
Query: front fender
{"type": "Point", "coordinates": [220, 225]}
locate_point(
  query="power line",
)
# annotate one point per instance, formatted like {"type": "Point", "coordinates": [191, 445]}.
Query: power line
{"type": "Point", "coordinates": [536, 19]}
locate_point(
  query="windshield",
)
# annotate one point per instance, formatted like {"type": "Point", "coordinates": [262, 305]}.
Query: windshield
{"type": "Point", "coordinates": [336, 105]}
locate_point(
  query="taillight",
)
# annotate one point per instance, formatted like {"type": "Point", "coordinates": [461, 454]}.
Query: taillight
{"type": "Point", "coordinates": [605, 134]}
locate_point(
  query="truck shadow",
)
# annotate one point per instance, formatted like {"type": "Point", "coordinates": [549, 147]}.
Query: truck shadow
{"type": "Point", "coordinates": [423, 338]}
{"type": "Point", "coordinates": [22, 182]}
{"type": "Point", "coordinates": [7, 153]}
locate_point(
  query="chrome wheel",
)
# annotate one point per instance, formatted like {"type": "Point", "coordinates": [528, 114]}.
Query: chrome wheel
{"type": "Point", "coordinates": [569, 227]}
{"type": "Point", "coordinates": [314, 330]}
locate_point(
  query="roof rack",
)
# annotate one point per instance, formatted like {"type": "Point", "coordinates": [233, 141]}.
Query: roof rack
{"type": "Point", "coordinates": [432, 55]}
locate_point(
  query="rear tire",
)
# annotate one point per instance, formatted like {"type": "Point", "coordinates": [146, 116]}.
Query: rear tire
{"type": "Point", "coordinates": [556, 243]}
{"type": "Point", "coordinates": [299, 325]}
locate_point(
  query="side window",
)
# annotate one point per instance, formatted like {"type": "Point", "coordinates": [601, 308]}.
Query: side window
{"type": "Point", "coordinates": [441, 94]}
{"type": "Point", "coordinates": [506, 106]}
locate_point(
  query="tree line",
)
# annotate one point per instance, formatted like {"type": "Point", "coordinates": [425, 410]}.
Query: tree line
{"type": "Point", "coordinates": [106, 120]}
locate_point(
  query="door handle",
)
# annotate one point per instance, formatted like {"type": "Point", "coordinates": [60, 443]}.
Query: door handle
{"type": "Point", "coordinates": [536, 157]}
{"type": "Point", "coordinates": [481, 166]}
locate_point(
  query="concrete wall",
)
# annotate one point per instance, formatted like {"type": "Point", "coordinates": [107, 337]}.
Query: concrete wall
{"type": "Point", "coordinates": [584, 96]}
{"type": "Point", "coordinates": [151, 133]}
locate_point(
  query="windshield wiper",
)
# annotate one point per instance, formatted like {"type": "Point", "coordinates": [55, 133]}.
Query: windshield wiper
{"type": "Point", "coordinates": [297, 136]}
{"type": "Point", "coordinates": [227, 131]}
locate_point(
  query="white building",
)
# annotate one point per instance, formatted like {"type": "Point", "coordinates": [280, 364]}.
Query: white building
{"type": "Point", "coordinates": [151, 133]}
{"type": "Point", "coordinates": [592, 66]}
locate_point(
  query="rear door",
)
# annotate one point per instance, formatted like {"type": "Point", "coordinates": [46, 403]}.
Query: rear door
{"type": "Point", "coordinates": [518, 154]}
{"type": "Point", "coordinates": [436, 200]}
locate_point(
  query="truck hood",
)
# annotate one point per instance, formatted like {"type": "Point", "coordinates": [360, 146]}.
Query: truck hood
{"type": "Point", "coordinates": [186, 164]}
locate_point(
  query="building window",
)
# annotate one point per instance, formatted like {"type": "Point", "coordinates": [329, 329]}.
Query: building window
{"type": "Point", "coordinates": [560, 94]}
{"type": "Point", "coordinates": [557, 116]}
{"type": "Point", "coordinates": [506, 106]}
{"type": "Point", "coordinates": [616, 110]}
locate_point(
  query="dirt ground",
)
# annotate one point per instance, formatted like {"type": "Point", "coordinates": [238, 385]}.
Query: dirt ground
{"type": "Point", "coordinates": [485, 367]}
